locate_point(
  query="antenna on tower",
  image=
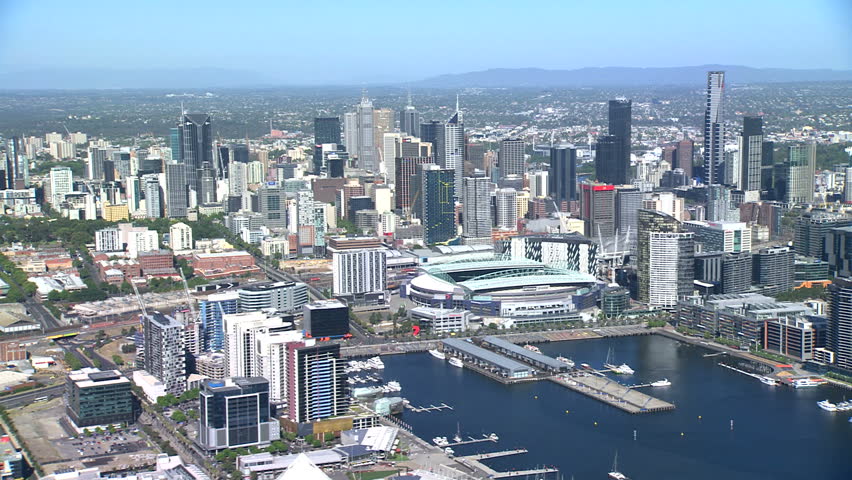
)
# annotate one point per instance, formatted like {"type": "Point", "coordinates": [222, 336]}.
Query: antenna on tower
{"type": "Point", "coordinates": [409, 96]}
{"type": "Point", "coordinates": [457, 102]}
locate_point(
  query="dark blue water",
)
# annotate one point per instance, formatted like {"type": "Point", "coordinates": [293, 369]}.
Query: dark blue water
{"type": "Point", "coordinates": [779, 432]}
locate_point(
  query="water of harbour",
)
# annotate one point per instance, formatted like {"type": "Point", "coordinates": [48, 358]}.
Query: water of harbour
{"type": "Point", "coordinates": [778, 432]}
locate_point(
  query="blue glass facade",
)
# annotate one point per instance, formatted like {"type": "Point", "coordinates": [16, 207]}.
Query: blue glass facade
{"type": "Point", "coordinates": [212, 329]}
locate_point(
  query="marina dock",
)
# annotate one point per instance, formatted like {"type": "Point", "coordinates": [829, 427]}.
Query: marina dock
{"type": "Point", "coordinates": [473, 462]}
{"type": "Point", "coordinates": [470, 440]}
{"type": "Point", "coordinates": [486, 456]}
{"type": "Point", "coordinates": [613, 393]}
{"type": "Point", "coordinates": [430, 408]}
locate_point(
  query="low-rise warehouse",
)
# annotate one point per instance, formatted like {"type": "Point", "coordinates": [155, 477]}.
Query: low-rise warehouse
{"type": "Point", "coordinates": [515, 351]}
{"type": "Point", "coordinates": [487, 359]}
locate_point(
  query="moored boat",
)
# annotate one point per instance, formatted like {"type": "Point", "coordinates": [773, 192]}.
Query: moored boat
{"type": "Point", "coordinates": [438, 354]}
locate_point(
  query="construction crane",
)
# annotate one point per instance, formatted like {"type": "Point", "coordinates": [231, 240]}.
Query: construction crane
{"type": "Point", "coordinates": [563, 218]}
{"type": "Point", "coordinates": [189, 300]}
{"type": "Point", "coordinates": [139, 299]}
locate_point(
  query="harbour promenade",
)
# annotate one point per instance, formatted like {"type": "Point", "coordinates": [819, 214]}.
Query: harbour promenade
{"type": "Point", "coordinates": [612, 393]}
{"type": "Point", "coordinates": [400, 347]}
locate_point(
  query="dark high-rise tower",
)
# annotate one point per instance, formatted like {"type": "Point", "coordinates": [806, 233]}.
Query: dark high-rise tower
{"type": "Point", "coordinates": [196, 136]}
{"type": "Point", "coordinates": [326, 130]}
{"type": "Point", "coordinates": [610, 166]}
{"type": "Point", "coordinates": [620, 111]}
{"type": "Point", "coordinates": [751, 157]}
{"type": "Point", "coordinates": [429, 133]}
{"type": "Point", "coordinates": [683, 156]}
{"type": "Point", "coordinates": [714, 130]}
{"type": "Point", "coordinates": [562, 177]}
{"type": "Point", "coordinates": [409, 120]}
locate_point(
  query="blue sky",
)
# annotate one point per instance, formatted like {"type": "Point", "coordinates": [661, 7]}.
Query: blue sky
{"type": "Point", "coordinates": [367, 41]}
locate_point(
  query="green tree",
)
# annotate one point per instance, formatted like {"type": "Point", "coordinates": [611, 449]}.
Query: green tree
{"type": "Point", "coordinates": [178, 416]}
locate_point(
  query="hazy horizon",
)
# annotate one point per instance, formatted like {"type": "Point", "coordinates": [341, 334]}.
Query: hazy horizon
{"type": "Point", "coordinates": [384, 42]}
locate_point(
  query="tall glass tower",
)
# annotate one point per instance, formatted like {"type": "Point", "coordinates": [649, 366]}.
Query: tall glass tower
{"type": "Point", "coordinates": [714, 130]}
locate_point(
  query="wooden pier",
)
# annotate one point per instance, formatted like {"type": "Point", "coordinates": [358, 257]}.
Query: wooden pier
{"type": "Point", "coordinates": [613, 393]}
{"type": "Point", "coordinates": [486, 456]}
{"type": "Point", "coordinates": [523, 473]}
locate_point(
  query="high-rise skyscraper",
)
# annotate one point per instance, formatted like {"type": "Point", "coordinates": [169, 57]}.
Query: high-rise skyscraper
{"type": "Point", "coordinates": [476, 211]}
{"type": "Point", "coordinates": [839, 335]}
{"type": "Point", "coordinates": [563, 174]}
{"type": "Point", "coordinates": [165, 351]}
{"type": "Point", "coordinates": [436, 187]}
{"type": "Point", "coordinates": [236, 413]}
{"type": "Point", "coordinates": [318, 386]}
{"type": "Point", "coordinates": [665, 259]}
{"type": "Point", "coordinates": [177, 200]}
{"type": "Point", "coordinates": [511, 157]}
{"type": "Point", "coordinates": [409, 120]}
{"type": "Point", "coordinates": [620, 111]}
{"type": "Point", "coordinates": [751, 157]}
{"type": "Point", "coordinates": [798, 174]}
{"type": "Point", "coordinates": [211, 313]}
{"type": "Point", "coordinates": [153, 196]}
{"type": "Point", "coordinates": [367, 155]}
{"type": "Point", "coordinates": [196, 137]}
{"type": "Point", "coordinates": [609, 161]}
{"type": "Point", "coordinates": [61, 183]}
{"type": "Point", "coordinates": [406, 168]}
{"type": "Point", "coordinates": [326, 130]}
{"type": "Point", "coordinates": [597, 208]}
{"type": "Point", "coordinates": [684, 156]}
{"type": "Point", "coordinates": [176, 144]}
{"type": "Point", "coordinates": [350, 132]}
{"type": "Point", "coordinates": [714, 130]}
{"type": "Point", "coordinates": [383, 122]}
{"type": "Point", "coordinates": [450, 146]}
{"type": "Point", "coordinates": [507, 208]}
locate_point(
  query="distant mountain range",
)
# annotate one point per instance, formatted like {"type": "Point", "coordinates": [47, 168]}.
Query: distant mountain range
{"type": "Point", "coordinates": [200, 78]}
{"type": "Point", "coordinates": [628, 76]}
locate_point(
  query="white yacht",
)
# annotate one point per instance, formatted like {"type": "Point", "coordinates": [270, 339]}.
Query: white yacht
{"type": "Point", "coordinates": [662, 383]}
{"type": "Point", "coordinates": [438, 354]}
{"type": "Point", "coordinates": [454, 361]}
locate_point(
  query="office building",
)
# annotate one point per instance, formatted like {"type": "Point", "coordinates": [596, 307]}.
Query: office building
{"type": "Point", "coordinates": [597, 209]}
{"type": "Point", "coordinates": [476, 210]}
{"type": "Point", "coordinates": [736, 272]}
{"type": "Point", "coordinates": [272, 205]}
{"type": "Point", "coordinates": [367, 155]}
{"type": "Point", "coordinates": [328, 318]}
{"type": "Point", "coordinates": [665, 259]}
{"type": "Point", "coordinates": [95, 398]}
{"type": "Point", "coordinates": [797, 337]}
{"type": "Point", "coordinates": [435, 187]}
{"type": "Point", "coordinates": [628, 201]}
{"type": "Point", "coordinates": [406, 168]}
{"type": "Point", "coordinates": [609, 158]}
{"type": "Point", "coordinates": [281, 296]}
{"type": "Point", "coordinates": [620, 111]}
{"type": "Point", "coordinates": [839, 337]}
{"type": "Point", "coordinates": [563, 174]}
{"type": "Point", "coordinates": [798, 174]}
{"type": "Point", "coordinates": [236, 413]}
{"type": "Point", "coordinates": [811, 230]}
{"type": "Point", "coordinates": [441, 320]}
{"type": "Point", "coordinates": [773, 269]}
{"type": "Point", "coordinates": [165, 351]}
{"type": "Point", "coordinates": [409, 120]}
{"type": "Point", "coordinates": [108, 240]}
{"type": "Point", "coordinates": [511, 157]}
{"type": "Point", "coordinates": [730, 237]}
{"type": "Point", "coordinates": [177, 201]}
{"type": "Point", "coordinates": [318, 387]}
{"type": "Point", "coordinates": [838, 251]}
{"type": "Point", "coordinates": [719, 205]}
{"type": "Point", "coordinates": [326, 130]}
{"type": "Point", "coordinates": [507, 209]}
{"type": "Point", "coordinates": [714, 130]}
{"type": "Point", "coordinates": [751, 157]}
{"type": "Point", "coordinates": [212, 311]}
{"type": "Point", "coordinates": [95, 162]}
{"type": "Point", "coordinates": [684, 154]}
{"type": "Point", "coordinates": [153, 196]}
{"type": "Point", "coordinates": [357, 273]}
{"type": "Point", "coordinates": [241, 333]}
{"type": "Point", "coordinates": [180, 237]}
{"type": "Point", "coordinates": [196, 140]}
{"type": "Point", "coordinates": [61, 183]}
{"type": "Point", "coordinates": [449, 147]}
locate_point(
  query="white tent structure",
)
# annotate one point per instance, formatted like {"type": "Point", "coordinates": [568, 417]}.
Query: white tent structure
{"type": "Point", "coordinates": [303, 469]}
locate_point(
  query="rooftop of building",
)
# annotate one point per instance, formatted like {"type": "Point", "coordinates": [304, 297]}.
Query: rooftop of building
{"type": "Point", "coordinates": [90, 377]}
{"type": "Point", "coordinates": [517, 349]}
{"type": "Point", "coordinates": [234, 253]}
{"type": "Point", "coordinates": [485, 355]}
{"type": "Point", "coordinates": [322, 304]}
